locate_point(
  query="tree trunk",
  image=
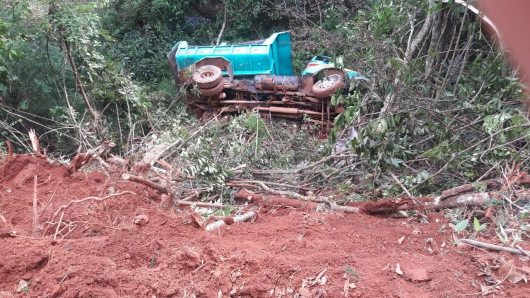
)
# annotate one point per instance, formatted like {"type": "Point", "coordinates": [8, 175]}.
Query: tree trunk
{"type": "Point", "coordinates": [92, 112]}
{"type": "Point", "coordinates": [441, 90]}
{"type": "Point", "coordinates": [411, 48]}
{"type": "Point", "coordinates": [432, 53]}
{"type": "Point", "coordinates": [222, 27]}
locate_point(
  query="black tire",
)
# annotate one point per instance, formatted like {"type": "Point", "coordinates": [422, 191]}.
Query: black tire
{"type": "Point", "coordinates": [213, 91]}
{"type": "Point", "coordinates": [208, 76]}
{"type": "Point", "coordinates": [327, 86]}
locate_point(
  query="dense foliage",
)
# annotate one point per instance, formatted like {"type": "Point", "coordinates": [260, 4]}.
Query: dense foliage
{"type": "Point", "coordinates": [442, 107]}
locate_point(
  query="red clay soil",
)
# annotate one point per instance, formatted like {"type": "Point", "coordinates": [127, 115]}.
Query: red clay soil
{"type": "Point", "coordinates": [99, 252]}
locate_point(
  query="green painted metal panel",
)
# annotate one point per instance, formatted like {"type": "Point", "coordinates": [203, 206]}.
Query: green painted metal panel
{"type": "Point", "coordinates": [272, 56]}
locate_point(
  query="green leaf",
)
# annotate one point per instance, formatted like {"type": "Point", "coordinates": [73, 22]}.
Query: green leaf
{"type": "Point", "coordinates": [347, 115]}
{"type": "Point", "coordinates": [396, 162]}
{"type": "Point", "coordinates": [461, 225]}
{"type": "Point", "coordinates": [469, 174]}
{"type": "Point", "coordinates": [504, 240]}
{"type": "Point", "coordinates": [353, 84]}
{"type": "Point", "coordinates": [476, 224]}
{"type": "Point", "coordinates": [391, 122]}
{"type": "Point", "coordinates": [339, 120]}
{"type": "Point", "coordinates": [23, 105]}
{"type": "Point", "coordinates": [480, 186]}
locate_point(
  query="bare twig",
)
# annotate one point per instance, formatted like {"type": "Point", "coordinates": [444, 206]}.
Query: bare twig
{"type": "Point", "coordinates": [168, 191]}
{"type": "Point", "coordinates": [241, 185]}
{"type": "Point", "coordinates": [237, 182]}
{"type": "Point", "coordinates": [50, 200]}
{"type": "Point", "coordinates": [336, 207]}
{"type": "Point", "coordinates": [306, 168]}
{"type": "Point", "coordinates": [223, 26]}
{"type": "Point", "coordinates": [494, 247]}
{"type": "Point", "coordinates": [199, 204]}
{"type": "Point", "coordinates": [401, 185]}
{"type": "Point", "coordinates": [522, 250]}
{"type": "Point", "coordinates": [64, 207]}
{"type": "Point", "coordinates": [35, 212]}
{"type": "Point", "coordinates": [489, 171]}
{"type": "Point", "coordinates": [65, 275]}
{"type": "Point", "coordinates": [58, 225]}
{"type": "Point", "coordinates": [93, 112]}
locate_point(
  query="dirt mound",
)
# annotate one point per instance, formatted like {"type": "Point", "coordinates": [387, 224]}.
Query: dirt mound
{"type": "Point", "coordinates": [80, 241]}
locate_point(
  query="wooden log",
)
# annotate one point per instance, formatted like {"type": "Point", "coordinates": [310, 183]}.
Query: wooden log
{"type": "Point", "coordinates": [145, 182]}
{"type": "Point", "coordinates": [520, 178]}
{"type": "Point", "coordinates": [247, 195]}
{"type": "Point", "coordinates": [404, 204]}
{"type": "Point", "coordinates": [229, 220]}
{"type": "Point", "coordinates": [491, 183]}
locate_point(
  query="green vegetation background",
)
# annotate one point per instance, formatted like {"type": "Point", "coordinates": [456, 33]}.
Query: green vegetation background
{"type": "Point", "coordinates": [443, 106]}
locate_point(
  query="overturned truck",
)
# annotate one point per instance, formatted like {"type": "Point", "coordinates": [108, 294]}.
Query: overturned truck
{"type": "Point", "coordinates": [258, 75]}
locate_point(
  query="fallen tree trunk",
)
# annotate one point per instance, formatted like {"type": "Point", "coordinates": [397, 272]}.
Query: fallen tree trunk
{"type": "Point", "coordinates": [517, 178]}
{"type": "Point", "coordinates": [465, 188]}
{"type": "Point", "coordinates": [404, 204]}
{"type": "Point", "coordinates": [229, 220]}
{"type": "Point", "coordinates": [145, 182]}
{"type": "Point", "coordinates": [276, 201]}
{"type": "Point", "coordinates": [257, 198]}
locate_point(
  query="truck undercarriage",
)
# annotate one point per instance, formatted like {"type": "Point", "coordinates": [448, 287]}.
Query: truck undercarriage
{"type": "Point", "coordinates": [213, 88]}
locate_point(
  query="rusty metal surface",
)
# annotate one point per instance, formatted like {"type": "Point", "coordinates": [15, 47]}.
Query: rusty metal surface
{"type": "Point", "coordinates": [279, 96]}
{"type": "Point", "coordinates": [184, 75]}
{"type": "Point", "coordinates": [277, 83]}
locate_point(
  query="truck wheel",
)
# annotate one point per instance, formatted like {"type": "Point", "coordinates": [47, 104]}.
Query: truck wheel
{"type": "Point", "coordinates": [208, 76]}
{"type": "Point", "coordinates": [327, 86]}
{"type": "Point", "coordinates": [213, 91]}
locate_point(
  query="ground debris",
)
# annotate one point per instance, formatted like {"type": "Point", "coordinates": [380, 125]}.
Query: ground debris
{"type": "Point", "coordinates": [107, 257]}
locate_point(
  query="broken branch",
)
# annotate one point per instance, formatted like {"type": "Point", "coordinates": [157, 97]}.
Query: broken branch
{"type": "Point", "coordinates": [404, 204]}
{"type": "Point", "coordinates": [494, 247]}
{"type": "Point", "coordinates": [244, 194]}
{"type": "Point", "coordinates": [240, 182]}
{"type": "Point", "coordinates": [64, 207]}
{"type": "Point", "coordinates": [35, 212]}
{"type": "Point", "coordinates": [199, 204]}
{"type": "Point", "coordinates": [491, 183]}
{"type": "Point", "coordinates": [241, 218]}
{"type": "Point", "coordinates": [58, 225]}
{"type": "Point", "coordinates": [145, 182]}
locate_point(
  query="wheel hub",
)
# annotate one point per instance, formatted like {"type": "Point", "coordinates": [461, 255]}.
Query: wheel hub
{"type": "Point", "coordinates": [327, 83]}
{"type": "Point", "coordinates": [206, 75]}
